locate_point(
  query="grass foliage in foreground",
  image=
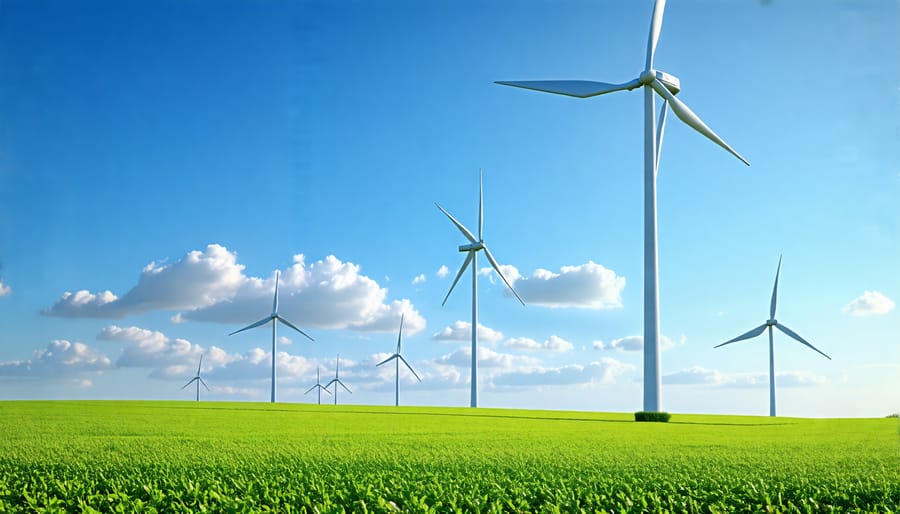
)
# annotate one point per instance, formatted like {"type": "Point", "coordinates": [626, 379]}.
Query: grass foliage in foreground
{"type": "Point", "coordinates": [188, 457]}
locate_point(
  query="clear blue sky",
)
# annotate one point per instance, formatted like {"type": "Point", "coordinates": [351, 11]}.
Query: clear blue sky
{"type": "Point", "coordinates": [176, 154]}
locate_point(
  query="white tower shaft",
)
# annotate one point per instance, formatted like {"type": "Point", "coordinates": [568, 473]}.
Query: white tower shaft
{"type": "Point", "coordinates": [771, 374]}
{"type": "Point", "coordinates": [651, 267]}
{"type": "Point", "coordinates": [473, 401]}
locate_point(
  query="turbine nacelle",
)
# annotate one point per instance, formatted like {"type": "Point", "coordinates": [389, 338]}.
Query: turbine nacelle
{"type": "Point", "coordinates": [772, 322]}
{"type": "Point", "coordinates": [670, 81]}
{"type": "Point", "coordinates": [470, 247]}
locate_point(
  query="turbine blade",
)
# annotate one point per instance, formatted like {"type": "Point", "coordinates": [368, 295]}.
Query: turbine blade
{"type": "Point", "coordinates": [311, 389]}
{"type": "Point", "coordinates": [655, 27]}
{"type": "Point", "coordinates": [400, 334]}
{"type": "Point", "coordinates": [497, 269]}
{"type": "Point", "coordinates": [204, 383]}
{"type": "Point", "coordinates": [775, 291]}
{"type": "Point", "coordinates": [794, 335]}
{"type": "Point", "coordinates": [200, 365]}
{"type": "Point", "coordinates": [333, 380]}
{"type": "Point", "coordinates": [326, 390]}
{"type": "Point", "coordinates": [288, 323]}
{"type": "Point", "coordinates": [686, 115]}
{"type": "Point", "coordinates": [480, 204]}
{"type": "Point", "coordinates": [345, 387]}
{"type": "Point", "coordinates": [660, 129]}
{"type": "Point", "coordinates": [410, 368]}
{"type": "Point", "coordinates": [576, 88]}
{"type": "Point", "coordinates": [258, 323]}
{"type": "Point", "coordinates": [189, 382]}
{"type": "Point", "coordinates": [749, 335]}
{"type": "Point", "coordinates": [275, 302]}
{"type": "Point", "coordinates": [389, 359]}
{"type": "Point", "coordinates": [458, 275]}
{"type": "Point", "coordinates": [459, 225]}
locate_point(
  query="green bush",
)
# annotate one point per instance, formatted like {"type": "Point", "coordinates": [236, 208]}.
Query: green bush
{"type": "Point", "coordinates": [659, 417]}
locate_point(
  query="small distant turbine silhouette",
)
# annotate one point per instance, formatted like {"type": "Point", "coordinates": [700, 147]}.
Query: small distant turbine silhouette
{"type": "Point", "coordinates": [197, 379]}
{"type": "Point", "coordinates": [274, 318]}
{"type": "Point", "coordinates": [337, 380]}
{"type": "Point", "coordinates": [397, 358]}
{"type": "Point", "coordinates": [318, 386]}
{"type": "Point", "coordinates": [772, 322]}
{"type": "Point", "coordinates": [471, 250]}
{"type": "Point", "coordinates": [654, 82]}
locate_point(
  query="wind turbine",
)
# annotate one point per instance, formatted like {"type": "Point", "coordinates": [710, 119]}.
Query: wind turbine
{"type": "Point", "coordinates": [666, 86]}
{"type": "Point", "coordinates": [274, 318]}
{"type": "Point", "coordinates": [337, 380]}
{"type": "Point", "coordinates": [198, 379]}
{"type": "Point", "coordinates": [317, 386]}
{"type": "Point", "coordinates": [397, 358]}
{"type": "Point", "coordinates": [772, 322]}
{"type": "Point", "coordinates": [471, 250]}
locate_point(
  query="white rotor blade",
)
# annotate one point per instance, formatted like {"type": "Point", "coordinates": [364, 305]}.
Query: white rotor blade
{"type": "Point", "coordinates": [311, 389]}
{"type": "Point", "coordinates": [345, 387]}
{"type": "Point", "coordinates": [461, 271]}
{"type": "Point", "coordinates": [410, 368]}
{"type": "Point", "coordinates": [459, 225]}
{"type": "Point", "coordinates": [189, 383]}
{"type": "Point", "coordinates": [496, 266]}
{"type": "Point", "coordinates": [389, 359]}
{"type": "Point", "coordinates": [204, 383]}
{"type": "Point", "coordinates": [655, 28]}
{"type": "Point", "coordinates": [322, 388]}
{"type": "Point", "coordinates": [775, 291]}
{"type": "Point", "coordinates": [199, 365]}
{"type": "Point", "coordinates": [288, 323]}
{"type": "Point", "coordinates": [332, 381]}
{"type": "Point", "coordinates": [258, 323]}
{"type": "Point", "coordinates": [794, 335]}
{"type": "Point", "coordinates": [660, 129]}
{"type": "Point", "coordinates": [749, 335]}
{"type": "Point", "coordinates": [686, 115]}
{"type": "Point", "coordinates": [576, 88]}
{"type": "Point", "coordinates": [400, 334]}
{"type": "Point", "coordinates": [275, 301]}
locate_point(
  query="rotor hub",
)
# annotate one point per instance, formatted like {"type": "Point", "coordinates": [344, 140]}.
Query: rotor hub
{"type": "Point", "coordinates": [470, 247]}
{"type": "Point", "coordinates": [772, 322]}
{"type": "Point", "coordinates": [670, 81]}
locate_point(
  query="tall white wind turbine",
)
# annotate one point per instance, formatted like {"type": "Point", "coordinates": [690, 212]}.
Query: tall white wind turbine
{"type": "Point", "coordinates": [397, 358]}
{"type": "Point", "coordinates": [772, 322]}
{"type": "Point", "coordinates": [318, 387]}
{"type": "Point", "coordinates": [471, 250]}
{"type": "Point", "coordinates": [274, 318]}
{"type": "Point", "coordinates": [198, 379]}
{"type": "Point", "coordinates": [666, 86]}
{"type": "Point", "coordinates": [337, 380]}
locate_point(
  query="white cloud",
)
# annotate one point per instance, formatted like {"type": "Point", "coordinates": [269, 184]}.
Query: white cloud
{"type": "Point", "coordinates": [419, 279]}
{"type": "Point", "coordinates": [552, 344]}
{"type": "Point", "coordinates": [4, 289]}
{"type": "Point", "coordinates": [170, 358]}
{"type": "Point", "coordinates": [586, 286]}
{"type": "Point", "coordinates": [443, 271]}
{"type": "Point", "coordinates": [604, 371]}
{"type": "Point", "coordinates": [210, 286]}
{"type": "Point", "coordinates": [61, 358]}
{"type": "Point", "coordinates": [462, 331]}
{"type": "Point", "coordinates": [698, 375]}
{"type": "Point", "coordinates": [285, 340]}
{"type": "Point", "coordinates": [487, 358]}
{"type": "Point", "coordinates": [634, 344]}
{"type": "Point", "coordinates": [870, 303]}
{"type": "Point", "coordinates": [599, 345]}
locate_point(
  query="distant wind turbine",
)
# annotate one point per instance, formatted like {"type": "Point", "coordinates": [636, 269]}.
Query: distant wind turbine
{"type": "Point", "coordinates": [471, 250]}
{"type": "Point", "coordinates": [666, 86]}
{"type": "Point", "coordinates": [772, 322]}
{"type": "Point", "coordinates": [337, 380]}
{"type": "Point", "coordinates": [397, 358]}
{"type": "Point", "coordinates": [197, 379]}
{"type": "Point", "coordinates": [274, 318]}
{"type": "Point", "coordinates": [317, 386]}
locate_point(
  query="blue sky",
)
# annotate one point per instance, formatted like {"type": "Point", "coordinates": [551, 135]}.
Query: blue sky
{"type": "Point", "coordinates": [159, 161]}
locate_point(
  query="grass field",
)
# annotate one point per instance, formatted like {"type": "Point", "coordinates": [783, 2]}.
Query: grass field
{"type": "Point", "coordinates": [187, 457]}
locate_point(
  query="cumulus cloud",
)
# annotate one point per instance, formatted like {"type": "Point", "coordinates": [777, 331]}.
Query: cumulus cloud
{"type": "Point", "coordinates": [870, 303]}
{"type": "Point", "coordinates": [598, 345]}
{"type": "Point", "coordinates": [419, 279]}
{"type": "Point", "coordinates": [61, 358]}
{"type": "Point", "coordinates": [586, 286]}
{"type": "Point", "coordinates": [633, 344]}
{"type": "Point", "coordinates": [443, 271]}
{"type": "Point", "coordinates": [698, 375]}
{"type": "Point", "coordinates": [211, 286]}
{"type": "Point", "coordinates": [462, 331]}
{"type": "Point", "coordinates": [4, 289]}
{"type": "Point", "coordinates": [603, 371]}
{"type": "Point", "coordinates": [553, 343]}
{"type": "Point", "coordinates": [487, 358]}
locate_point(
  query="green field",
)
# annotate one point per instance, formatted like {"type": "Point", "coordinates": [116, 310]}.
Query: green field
{"type": "Point", "coordinates": [187, 457]}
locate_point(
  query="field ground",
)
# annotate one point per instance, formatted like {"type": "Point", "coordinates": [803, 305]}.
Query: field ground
{"type": "Point", "coordinates": [187, 457]}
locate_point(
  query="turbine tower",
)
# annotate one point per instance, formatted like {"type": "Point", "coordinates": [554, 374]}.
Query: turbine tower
{"type": "Point", "coordinates": [198, 379]}
{"type": "Point", "coordinates": [318, 387]}
{"type": "Point", "coordinates": [471, 250]}
{"type": "Point", "coordinates": [772, 322]}
{"type": "Point", "coordinates": [666, 86]}
{"type": "Point", "coordinates": [397, 358]}
{"type": "Point", "coordinates": [337, 380]}
{"type": "Point", "coordinates": [274, 318]}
